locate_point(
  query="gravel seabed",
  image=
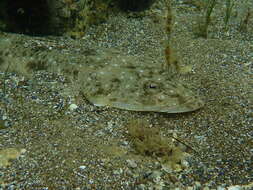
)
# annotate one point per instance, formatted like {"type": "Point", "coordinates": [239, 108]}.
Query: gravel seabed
{"type": "Point", "coordinates": [71, 144]}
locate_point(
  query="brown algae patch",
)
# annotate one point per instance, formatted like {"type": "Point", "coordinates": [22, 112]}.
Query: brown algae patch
{"type": "Point", "coordinates": [149, 142]}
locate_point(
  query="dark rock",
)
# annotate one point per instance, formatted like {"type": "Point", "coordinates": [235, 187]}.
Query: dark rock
{"type": "Point", "coordinates": [135, 5]}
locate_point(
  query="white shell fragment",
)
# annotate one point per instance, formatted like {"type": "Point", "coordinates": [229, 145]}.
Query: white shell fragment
{"type": "Point", "coordinates": [73, 107]}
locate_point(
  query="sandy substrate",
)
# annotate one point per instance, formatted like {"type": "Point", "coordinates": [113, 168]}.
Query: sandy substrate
{"type": "Point", "coordinates": [61, 141]}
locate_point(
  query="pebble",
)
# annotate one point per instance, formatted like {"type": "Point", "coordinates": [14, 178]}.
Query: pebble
{"type": "Point", "coordinates": [197, 185]}
{"type": "Point", "coordinates": [118, 172]}
{"type": "Point", "coordinates": [236, 187]}
{"type": "Point", "coordinates": [73, 107]}
{"type": "Point", "coordinates": [4, 117]}
{"type": "Point", "coordinates": [185, 164]}
{"type": "Point", "coordinates": [82, 167]}
{"type": "Point", "coordinates": [220, 188]}
{"type": "Point", "coordinates": [131, 163]}
{"type": "Point", "coordinates": [141, 187]}
{"type": "Point", "coordinates": [156, 176]}
{"type": "Point", "coordinates": [125, 143]}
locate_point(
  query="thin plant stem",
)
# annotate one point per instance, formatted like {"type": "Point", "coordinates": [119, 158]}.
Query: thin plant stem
{"type": "Point", "coordinates": [229, 7]}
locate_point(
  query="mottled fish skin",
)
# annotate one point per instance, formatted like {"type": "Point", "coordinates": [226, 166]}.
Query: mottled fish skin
{"type": "Point", "coordinates": [123, 82]}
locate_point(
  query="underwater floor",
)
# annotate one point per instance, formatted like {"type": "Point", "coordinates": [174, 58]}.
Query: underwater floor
{"type": "Point", "coordinates": [52, 136]}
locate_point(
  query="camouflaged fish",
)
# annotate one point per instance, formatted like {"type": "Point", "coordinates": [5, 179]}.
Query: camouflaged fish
{"type": "Point", "coordinates": [126, 83]}
{"type": "Point", "coordinates": [109, 78]}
